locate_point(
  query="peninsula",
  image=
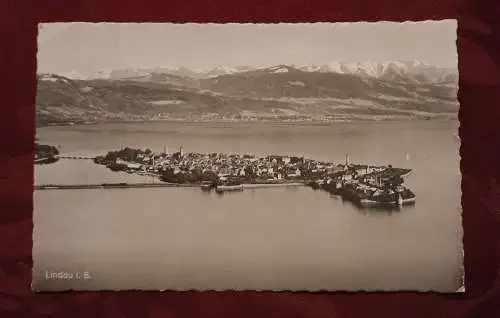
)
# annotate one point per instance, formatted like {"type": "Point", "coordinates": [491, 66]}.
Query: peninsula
{"type": "Point", "coordinates": [364, 185]}
{"type": "Point", "coordinates": [45, 154]}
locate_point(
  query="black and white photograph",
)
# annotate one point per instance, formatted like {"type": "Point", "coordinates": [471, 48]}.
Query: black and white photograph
{"type": "Point", "coordinates": [280, 157]}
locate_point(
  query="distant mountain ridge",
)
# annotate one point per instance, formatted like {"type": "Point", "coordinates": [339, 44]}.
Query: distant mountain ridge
{"type": "Point", "coordinates": [333, 92]}
{"type": "Point", "coordinates": [395, 70]}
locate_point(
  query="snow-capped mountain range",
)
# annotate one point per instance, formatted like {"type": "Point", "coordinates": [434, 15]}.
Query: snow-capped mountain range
{"type": "Point", "coordinates": [413, 71]}
{"type": "Point", "coordinates": [372, 69]}
{"type": "Point", "coordinates": [373, 91]}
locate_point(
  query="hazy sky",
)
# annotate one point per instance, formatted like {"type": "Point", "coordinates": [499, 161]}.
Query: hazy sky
{"type": "Point", "coordinates": [87, 47]}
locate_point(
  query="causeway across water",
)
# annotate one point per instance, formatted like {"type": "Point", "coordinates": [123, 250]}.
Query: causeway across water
{"type": "Point", "coordinates": [144, 185]}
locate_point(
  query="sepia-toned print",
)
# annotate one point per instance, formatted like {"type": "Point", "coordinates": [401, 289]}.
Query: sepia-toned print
{"type": "Point", "coordinates": [298, 157]}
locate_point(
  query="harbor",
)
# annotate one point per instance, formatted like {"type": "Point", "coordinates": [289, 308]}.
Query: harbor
{"type": "Point", "coordinates": [365, 188]}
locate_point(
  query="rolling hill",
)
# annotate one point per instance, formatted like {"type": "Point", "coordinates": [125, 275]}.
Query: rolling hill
{"type": "Point", "coordinates": [279, 92]}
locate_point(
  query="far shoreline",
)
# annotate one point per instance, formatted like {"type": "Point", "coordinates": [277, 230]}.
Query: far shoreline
{"type": "Point", "coordinates": [250, 122]}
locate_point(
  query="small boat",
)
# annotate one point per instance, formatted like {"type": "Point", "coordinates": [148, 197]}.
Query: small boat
{"type": "Point", "coordinates": [368, 202]}
{"type": "Point", "coordinates": [207, 186]}
{"type": "Point", "coordinates": [229, 186]}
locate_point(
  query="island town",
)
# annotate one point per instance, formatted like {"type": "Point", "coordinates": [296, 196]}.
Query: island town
{"type": "Point", "coordinates": [362, 185]}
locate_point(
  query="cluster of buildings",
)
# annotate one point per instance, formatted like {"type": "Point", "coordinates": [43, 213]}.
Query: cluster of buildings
{"type": "Point", "coordinates": [360, 183]}
{"type": "Point", "coordinates": [200, 167]}
{"type": "Point", "coordinates": [226, 166]}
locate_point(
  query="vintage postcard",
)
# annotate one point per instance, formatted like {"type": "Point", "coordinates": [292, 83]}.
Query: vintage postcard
{"type": "Point", "coordinates": [298, 157]}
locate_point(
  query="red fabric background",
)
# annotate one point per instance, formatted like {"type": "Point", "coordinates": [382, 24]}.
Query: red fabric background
{"type": "Point", "coordinates": [479, 52]}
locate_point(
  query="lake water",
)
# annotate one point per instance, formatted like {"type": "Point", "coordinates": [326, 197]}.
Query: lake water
{"type": "Point", "coordinates": [279, 238]}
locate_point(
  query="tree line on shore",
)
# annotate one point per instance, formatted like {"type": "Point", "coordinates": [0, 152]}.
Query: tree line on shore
{"type": "Point", "coordinates": [46, 150]}
{"type": "Point", "coordinates": [45, 154]}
